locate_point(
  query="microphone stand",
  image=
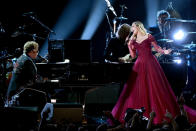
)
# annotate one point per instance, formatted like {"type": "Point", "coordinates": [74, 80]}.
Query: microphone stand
{"type": "Point", "coordinates": [111, 34]}
{"type": "Point", "coordinates": [3, 61]}
{"type": "Point", "coordinates": [110, 26]}
{"type": "Point", "coordinates": [121, 13]}
{"type": "Point", "coordinates": [46, 27]}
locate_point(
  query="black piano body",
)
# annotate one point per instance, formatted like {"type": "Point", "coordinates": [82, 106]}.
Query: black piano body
{"type": "Point", "coordinates": [89, 74]}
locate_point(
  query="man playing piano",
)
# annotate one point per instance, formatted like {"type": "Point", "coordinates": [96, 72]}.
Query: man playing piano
{"type": "Point", "coordinates": [24, 76]}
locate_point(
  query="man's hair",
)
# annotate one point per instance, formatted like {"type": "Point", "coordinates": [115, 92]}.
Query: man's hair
{"type": "Point", "coordinates": [29, 46]}
{"type": "Point", "coordinates": [163, 12]}
{"type": "Point", "coordinates": [123, 31]}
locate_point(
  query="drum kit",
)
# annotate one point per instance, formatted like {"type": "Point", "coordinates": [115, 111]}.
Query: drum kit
{"type": "Point", "coordinates": [179, 50]}
{"type": "Point", "coordinates": [116, 20]}
{"type": "Point", "coordinates": [180, 20]}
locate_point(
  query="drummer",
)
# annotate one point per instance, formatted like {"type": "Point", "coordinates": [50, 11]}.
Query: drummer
{"type": "Point", "coordinates": [162, 15]}
{"type": "Point", "coordinates": [161, 36]}
{"type": "Point", "coordinates": [163, 24]}
{"type": "Point", "coordinates": [158, 33]}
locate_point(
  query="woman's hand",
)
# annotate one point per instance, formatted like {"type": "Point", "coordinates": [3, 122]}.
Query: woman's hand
{"type": "Point", "coordinates": [168, 51]}
{"type": "Point", "coordinates": [133, 37]}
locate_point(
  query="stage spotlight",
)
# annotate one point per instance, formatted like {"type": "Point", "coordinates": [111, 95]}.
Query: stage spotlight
{"type": "Point", "coordinates": [95, 18]}
{"type": "Point", "coordinates": [177, 60]}
{"type": "Point", "coordinates": [179, 35]}
{"type": "Point", "coordinates": [53, 100]}
{"type": "Point", "coordinates": [151, 12]}
{"type": "Point", "coordinates": [69, 21]}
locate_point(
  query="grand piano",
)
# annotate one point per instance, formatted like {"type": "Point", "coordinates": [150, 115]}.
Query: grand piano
{"type": "Point", "coordinates": [90, 75]}
{"type": "Point", "coordinates": [82, 72]}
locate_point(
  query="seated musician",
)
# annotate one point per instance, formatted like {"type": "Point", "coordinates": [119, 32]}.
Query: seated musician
{"type": "Point", "coordinates": [117, 47]}
{"type": "Point", "coordinates": [163, 30]}
{"type": "Point", "coordinates": [162, 21]}
{"type": "Point", "coordinates": [24, 76]}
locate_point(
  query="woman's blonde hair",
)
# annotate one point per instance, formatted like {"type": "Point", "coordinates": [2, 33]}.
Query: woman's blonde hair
{"type": "Point", "coordinates": [29, 46]}
{"type": "Point", "coordinates": [123, 31]}
{"type": "Point", "coordinates": [140, 26]}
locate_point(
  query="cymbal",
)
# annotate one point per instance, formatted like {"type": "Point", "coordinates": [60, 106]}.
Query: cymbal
{"type": "Point", "coordinates": [185, 51]}
{"type": "Point", "coordinates": [121, 18]}
{"type": "Point", "coordinates": [189, 45]}
{"type": "Point", "coordinates": [180, 20]}
{"type": "Point", "coordinates": [165, 40]}
{"type": "Point", "coordinates": [17, 33]}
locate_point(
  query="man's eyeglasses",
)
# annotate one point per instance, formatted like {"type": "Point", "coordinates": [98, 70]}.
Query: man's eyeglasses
{"type": "Point", "coordinates": [35, 51]}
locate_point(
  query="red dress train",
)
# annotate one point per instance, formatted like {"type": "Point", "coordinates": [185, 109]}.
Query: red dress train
{"type": "Point", "coordinates": [147, 86]}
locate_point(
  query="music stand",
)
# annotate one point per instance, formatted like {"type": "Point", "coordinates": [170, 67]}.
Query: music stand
{"type": "Point", "coordinates": [56, 51]}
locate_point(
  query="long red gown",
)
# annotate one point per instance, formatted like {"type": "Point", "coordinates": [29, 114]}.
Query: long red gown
{"type": "Point", "coordinates": [147, 86]}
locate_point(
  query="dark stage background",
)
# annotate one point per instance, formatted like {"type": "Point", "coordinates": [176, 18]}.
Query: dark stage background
{"type": "Point", "coordinates": [17, 26]}
{"type": "Point", "coordinates": [48, 12]}
{"type": "Point", "coordinates": [69, 20]}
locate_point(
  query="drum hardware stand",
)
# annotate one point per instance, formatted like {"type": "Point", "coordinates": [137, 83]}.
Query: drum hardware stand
{"type": "Point", "coordinates": [188, 90]}
{"type": "Point", "coordinates": [113, 30]}
{"type": "Point", "coordinates": [110, 26]}
{"type": "Point", "coordinates": [46, 27]}
{"type": "Point", "coordinates": [3, 75]}
{"type": "Point", "coordinates": [110, 34]}
{"type": "Point", "coordinates": [111, 8]}
{"type": "Point", "coordinates": [31, 15]}
{"type": "Point", "coordinates": [123, 7]}
{"type": "Point", "coordinates": [38, 21]}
